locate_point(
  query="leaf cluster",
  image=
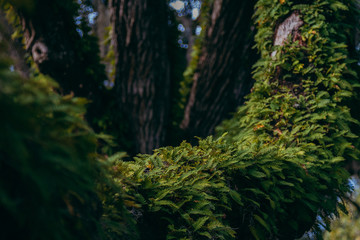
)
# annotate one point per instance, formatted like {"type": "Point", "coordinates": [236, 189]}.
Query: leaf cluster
{"type": "Point", "coordinates": [52, 182]}
{"type": "Point", "coordinates": [280, 168]}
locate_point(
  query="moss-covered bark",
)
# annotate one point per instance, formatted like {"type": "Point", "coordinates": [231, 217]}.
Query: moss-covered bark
{"type": "Point", "coordinates": [279, 166]}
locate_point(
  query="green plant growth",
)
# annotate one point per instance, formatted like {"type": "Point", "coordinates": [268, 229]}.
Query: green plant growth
{"type": "Point", "coordinates": [276, 169]}
{"type": "Point", "coordinates": [279, 166]}
{"type": "Point", "coordinates": [52, 181]}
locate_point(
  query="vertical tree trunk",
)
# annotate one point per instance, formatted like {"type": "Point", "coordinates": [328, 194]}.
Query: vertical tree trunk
{"type": "Point", "coordinates": [60, 49]}
{"type": "Point", "coordinates": [222, 76]}
{"type": "Point", "coordinates": [66, 51]}
{"type": "Point", "coordinates": [142, 70]}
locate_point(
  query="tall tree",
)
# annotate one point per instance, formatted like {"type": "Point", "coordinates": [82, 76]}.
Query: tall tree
{"type": "Point", "coordinates": [277, 167]}
{"type": "Point", "coordinates": [59, 47]}
{"type": "Point", "coordinates": [142, 77]}
{"type": "Point", "coordinates": [57, 36]}
{"type": "Point", "coordinates": [142, 80]}
{"type": "Point", "coordinates": [221, 77]}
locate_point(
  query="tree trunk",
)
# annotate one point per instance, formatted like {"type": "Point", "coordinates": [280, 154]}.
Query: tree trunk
{"type": "Point", "coordinates": [67, 52]}
{"type": "Point", "coordinates": [222, 76]}
{"type": "Point", "coordinates": [142, 70]}
{"type": "Point", "coordinates": [59, 47]}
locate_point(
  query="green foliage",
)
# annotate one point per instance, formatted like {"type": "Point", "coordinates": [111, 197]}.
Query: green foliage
{"type": "Point", "coordinates": [278, 165]}
{"type": "Point", "coordinates": [117, 221]}
{"type": "Point", "coordinates": [281, 165]}
{"type": "Point", "coordinates": [52, 182]}
{"type": "Point", "coordinates": [47, 170]}
{"type": "Point", "coordinates": [298, 101]}
{"type": "Point", "coordinates": [182, 191]}
{"type": "Point", "coordinates": [86, 77]}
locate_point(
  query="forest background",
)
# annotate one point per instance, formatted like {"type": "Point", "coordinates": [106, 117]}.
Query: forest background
{"type": "Point", "coordinates": [155, 73]}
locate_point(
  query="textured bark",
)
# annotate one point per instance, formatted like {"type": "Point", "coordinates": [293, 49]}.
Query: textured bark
{"type": "Point", "coordinates": [142, 70]}
{"type": "Point", "coordinates": [14, 47]}
{"type": "Point", "coordinates": [48, 42]}
{"type": "Point", "coordinates": [222, 77]}
{"type": "Point", "coordinates": [51, 38]}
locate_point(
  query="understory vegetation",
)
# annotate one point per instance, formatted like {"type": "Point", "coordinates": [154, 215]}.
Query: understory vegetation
{"type": "Point", "coordinates": [275, 170]}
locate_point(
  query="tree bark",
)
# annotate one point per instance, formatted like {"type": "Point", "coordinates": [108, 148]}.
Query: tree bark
{"type": "Point", "coordinates": [67, 52]}
{"type": "Point", "coordinates": [54, 42]}
{"type": "Point", "coordinates": [142, 70]}
{"type": "Point", "coordinates": [222, 77]}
